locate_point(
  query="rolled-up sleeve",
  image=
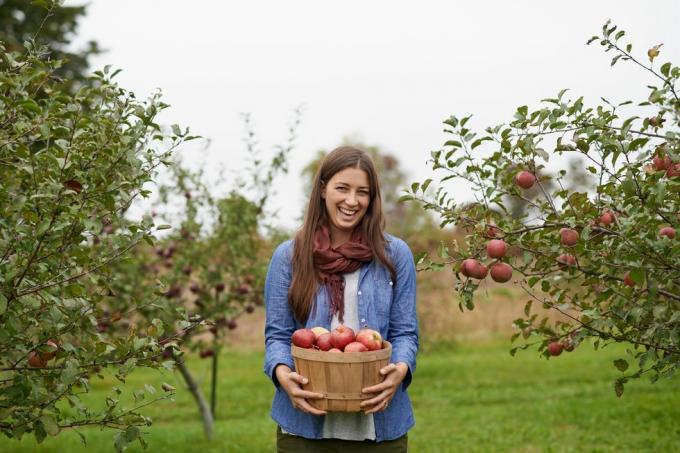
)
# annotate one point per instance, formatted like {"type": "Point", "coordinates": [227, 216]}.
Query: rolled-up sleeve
{"type": "Point", "coordinates": [403, 330]}
{"type": "Point", "coordinates": [280, 322]}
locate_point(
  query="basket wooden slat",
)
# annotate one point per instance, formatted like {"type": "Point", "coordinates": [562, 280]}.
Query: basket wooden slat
{"type": "Point", "coordinates": [340, 376]}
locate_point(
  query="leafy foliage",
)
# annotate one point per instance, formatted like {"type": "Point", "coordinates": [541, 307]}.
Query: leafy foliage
{"type": "Point", "coordinates": [619, 281]}
{"type": "Point", "coordinates": [70, 165]}
{"type": "Point", "coordinates": [50, 24]}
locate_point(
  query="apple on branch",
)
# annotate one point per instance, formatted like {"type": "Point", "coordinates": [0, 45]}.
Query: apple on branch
{"type": "Point", "coordinates": [496, 248]}
{"type": "Point", "coordinates": [525, 179]}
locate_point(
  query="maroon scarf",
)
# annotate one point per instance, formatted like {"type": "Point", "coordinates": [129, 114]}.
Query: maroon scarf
{"type": "Point", "coordinates": [330, 263]}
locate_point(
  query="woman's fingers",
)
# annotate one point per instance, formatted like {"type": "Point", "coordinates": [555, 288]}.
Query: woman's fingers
{"type": "Point", "coordinates": [388, 369]}
{"type": "Point", "coordinates": [304, 406]}
{"type": "Point", "coordinates": [298, 378]}
{"type": "Point", "coordinates": [308, 395]}
{"type": "Point", "coordinates": [377, 400]}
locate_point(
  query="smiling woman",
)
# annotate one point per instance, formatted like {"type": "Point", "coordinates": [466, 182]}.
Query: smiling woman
{"type": "Point", "coordinates": [342, 269]}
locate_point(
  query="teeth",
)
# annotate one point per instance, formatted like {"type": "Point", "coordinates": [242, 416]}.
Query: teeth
{"type": "Point", "coordinates": [347, 211]}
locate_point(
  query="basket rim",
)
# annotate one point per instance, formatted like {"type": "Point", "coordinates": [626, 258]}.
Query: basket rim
{"type": "Point", "coordinates": [315, 355]}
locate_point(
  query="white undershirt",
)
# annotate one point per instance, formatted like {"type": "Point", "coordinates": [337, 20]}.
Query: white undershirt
{"type": "Point", "coordinates": [349, 425]}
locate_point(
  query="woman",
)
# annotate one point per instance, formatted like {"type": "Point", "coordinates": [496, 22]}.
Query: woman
{"type": "Point", "coordinates": [342, 268]}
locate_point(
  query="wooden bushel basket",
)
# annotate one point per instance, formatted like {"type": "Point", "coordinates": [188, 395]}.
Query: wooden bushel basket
{"type": "Point", "coordinates": [340, 376]}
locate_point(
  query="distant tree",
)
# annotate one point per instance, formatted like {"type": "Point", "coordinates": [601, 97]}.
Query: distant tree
{"type": "Point", "coordinates": [48, 23]}
{"type": "Point", "coordinates": [208, 270]}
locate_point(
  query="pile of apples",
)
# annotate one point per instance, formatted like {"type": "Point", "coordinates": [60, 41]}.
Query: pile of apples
{"type": "Point", "coordinates": [341, 339]}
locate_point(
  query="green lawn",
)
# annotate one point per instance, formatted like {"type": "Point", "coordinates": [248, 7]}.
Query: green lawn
{"type": "Point", "coordinates": [472, 397]}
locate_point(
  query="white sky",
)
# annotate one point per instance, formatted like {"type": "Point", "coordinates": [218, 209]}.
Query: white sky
{"type": "Point", "coordinates": [390, 71]}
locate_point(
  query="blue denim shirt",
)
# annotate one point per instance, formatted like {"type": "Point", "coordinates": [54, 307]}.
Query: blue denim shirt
{"type": "Point", "coordinates": [386, 306]}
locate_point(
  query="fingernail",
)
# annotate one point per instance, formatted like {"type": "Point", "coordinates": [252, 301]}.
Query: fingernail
{"type": "Point", "coordinates": [304, 381]}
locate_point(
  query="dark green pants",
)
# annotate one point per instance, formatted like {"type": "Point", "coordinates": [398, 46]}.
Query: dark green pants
{"type": "Point", "coordinates": [286, 443]}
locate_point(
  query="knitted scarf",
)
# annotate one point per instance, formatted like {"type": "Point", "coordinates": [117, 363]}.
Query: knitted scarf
{"type": "Point", "coordinates": [331, 263]}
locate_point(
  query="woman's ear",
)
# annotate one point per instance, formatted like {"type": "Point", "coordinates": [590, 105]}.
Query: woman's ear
{"type": "Point", "coordinates": [323, 190]}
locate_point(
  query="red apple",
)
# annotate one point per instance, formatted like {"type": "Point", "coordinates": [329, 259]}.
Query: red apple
{"type": "Point", "coordinates": [369, 338]}
{"type": "Point", "coordinates": [673, 170]}
{"type": "Point", "coordinates": [35, 361]}
{"type": "Point", "coordinates": [341, 336]}
{"type": "Point", "coordinates": [244, 289]}
{"type": "Point", "coordinates": [662, 163]}
{"type": "Point", "coordinates": [467, 265]}
{"type": "Point", "coordinates": [323, 341]}
{"type": "Point", "coordinates": [568, 237]}
{"type": "Point", "coordinates": [525, 179]}
{"type": "Point", "coordinates": [479, 272]}
{"type": "Point", "coordinates": [473, 268]}
{"type": "Point", "coordinates": [496, 248]}
{"type": "Point", "coordinates": [566, 260]}
{"type": "Point", "coordinates": [355, 346]}
{"type": "Point", "coordinates": [607, 218]}
{"type": "Point", "coordinates": [628, 280]}
{"type": "Point", "coordinates": [318, 331]}
{"type": "Point", "coordinates": [204, 354]}
{"type": "Point", "coordinates": [335, 350]}
{"type": "Point", "coordinates": [669, 232]}
{"type": "Point", "coordinates": [303, 338]}
{"type": "Point", "coordinates": [568, 345]}
{"type": "Point", "coordinates": [555, 348]}
{"type": "Point", "coordinates": [52, 351]}
{"type": "Point", "coordinates": [501, 272]}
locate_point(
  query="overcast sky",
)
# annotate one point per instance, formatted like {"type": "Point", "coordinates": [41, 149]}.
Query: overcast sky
{"type": "Point", "coordinates": [388, 71]}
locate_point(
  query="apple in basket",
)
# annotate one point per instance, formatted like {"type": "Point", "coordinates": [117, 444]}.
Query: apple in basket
{"type": "Point", "coordinates": [318, 331]}
{"type": "Point", "coordinates": [341, 336]}
{"type": "Point", "coordinates": [323, 341]}
{"type": "Point", "coordinates": [303, 338]}
{"type": "Point", "coordinates": [370, 338]}
{"type": "Point", "coordinates": [355, 346]}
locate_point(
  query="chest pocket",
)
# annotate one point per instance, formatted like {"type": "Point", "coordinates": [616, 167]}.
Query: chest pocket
{"type": "Point", "coordinates": [383, 287]}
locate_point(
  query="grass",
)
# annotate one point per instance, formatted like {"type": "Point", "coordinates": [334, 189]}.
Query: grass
{"type": "Point", "coordinates": [469, 397]}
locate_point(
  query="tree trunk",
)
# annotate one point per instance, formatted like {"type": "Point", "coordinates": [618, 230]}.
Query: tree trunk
{"type": "Point", "coordinates": [195, 390]}
{"type": "Point", "coordinates": [213, 383]}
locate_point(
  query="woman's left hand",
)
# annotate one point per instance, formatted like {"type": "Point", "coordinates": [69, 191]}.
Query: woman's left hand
{"type": "Point", "coordinates": [394, 374]}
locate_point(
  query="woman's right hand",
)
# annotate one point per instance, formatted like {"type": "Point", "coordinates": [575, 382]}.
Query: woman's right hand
{"type": "Point", "coordinates": [292, 384]}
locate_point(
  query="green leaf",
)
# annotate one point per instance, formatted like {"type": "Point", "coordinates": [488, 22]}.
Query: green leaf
{"type": "Point", "coordinates": [120, 442]}
{"type": "Point", "coordinates": [618, 387]}
{"type": "Point", "coordinates": [3, 304]}
{"type": "Point", "coordinates": [425, 185]}
{"type": "Point", "coordinates": [665, 69]}
{"type": "Point", "coordinates": [621, 365]}
{"type": "Point", "coordinates": [50, 424]}
{"type": "Point", "coordinates": [638, 276]}
{"type": "Point", "coordinates": [131, 433]}
{"type": "Point", "coordinates": [70, 372]}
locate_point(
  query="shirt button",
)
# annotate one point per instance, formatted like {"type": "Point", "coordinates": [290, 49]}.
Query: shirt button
{"type": "Point", "coordinates": [390, 282]}
{"type": "Point", "coordinates": [363, 320]}
{"type": "Point", "coordinates": [359, 293]}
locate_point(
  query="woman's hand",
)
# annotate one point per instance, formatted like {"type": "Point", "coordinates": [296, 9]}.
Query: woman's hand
{"type": "Point", "coordinates": [394, 375]}
{"type": "Point", "coordinates": [292, 385]}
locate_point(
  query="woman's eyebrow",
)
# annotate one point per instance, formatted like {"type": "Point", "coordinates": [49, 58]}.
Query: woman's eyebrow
{"type": "Point", "coordinates": [340, 183]}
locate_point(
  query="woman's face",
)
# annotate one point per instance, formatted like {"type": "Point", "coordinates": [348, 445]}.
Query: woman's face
{"type": "Point", "coordinates": [347, 196]}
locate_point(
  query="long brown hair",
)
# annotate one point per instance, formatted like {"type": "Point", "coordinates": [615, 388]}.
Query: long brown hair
{"type": "Point", "coordinates": [305, 277]}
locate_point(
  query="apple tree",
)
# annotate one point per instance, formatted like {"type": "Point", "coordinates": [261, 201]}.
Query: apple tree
{"type": "Point", "coordinates": [210, 267]}
{"type": "Point", "coordinates": [605, 258]}
{"type": "Point", "coordinates": [70, 165]}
